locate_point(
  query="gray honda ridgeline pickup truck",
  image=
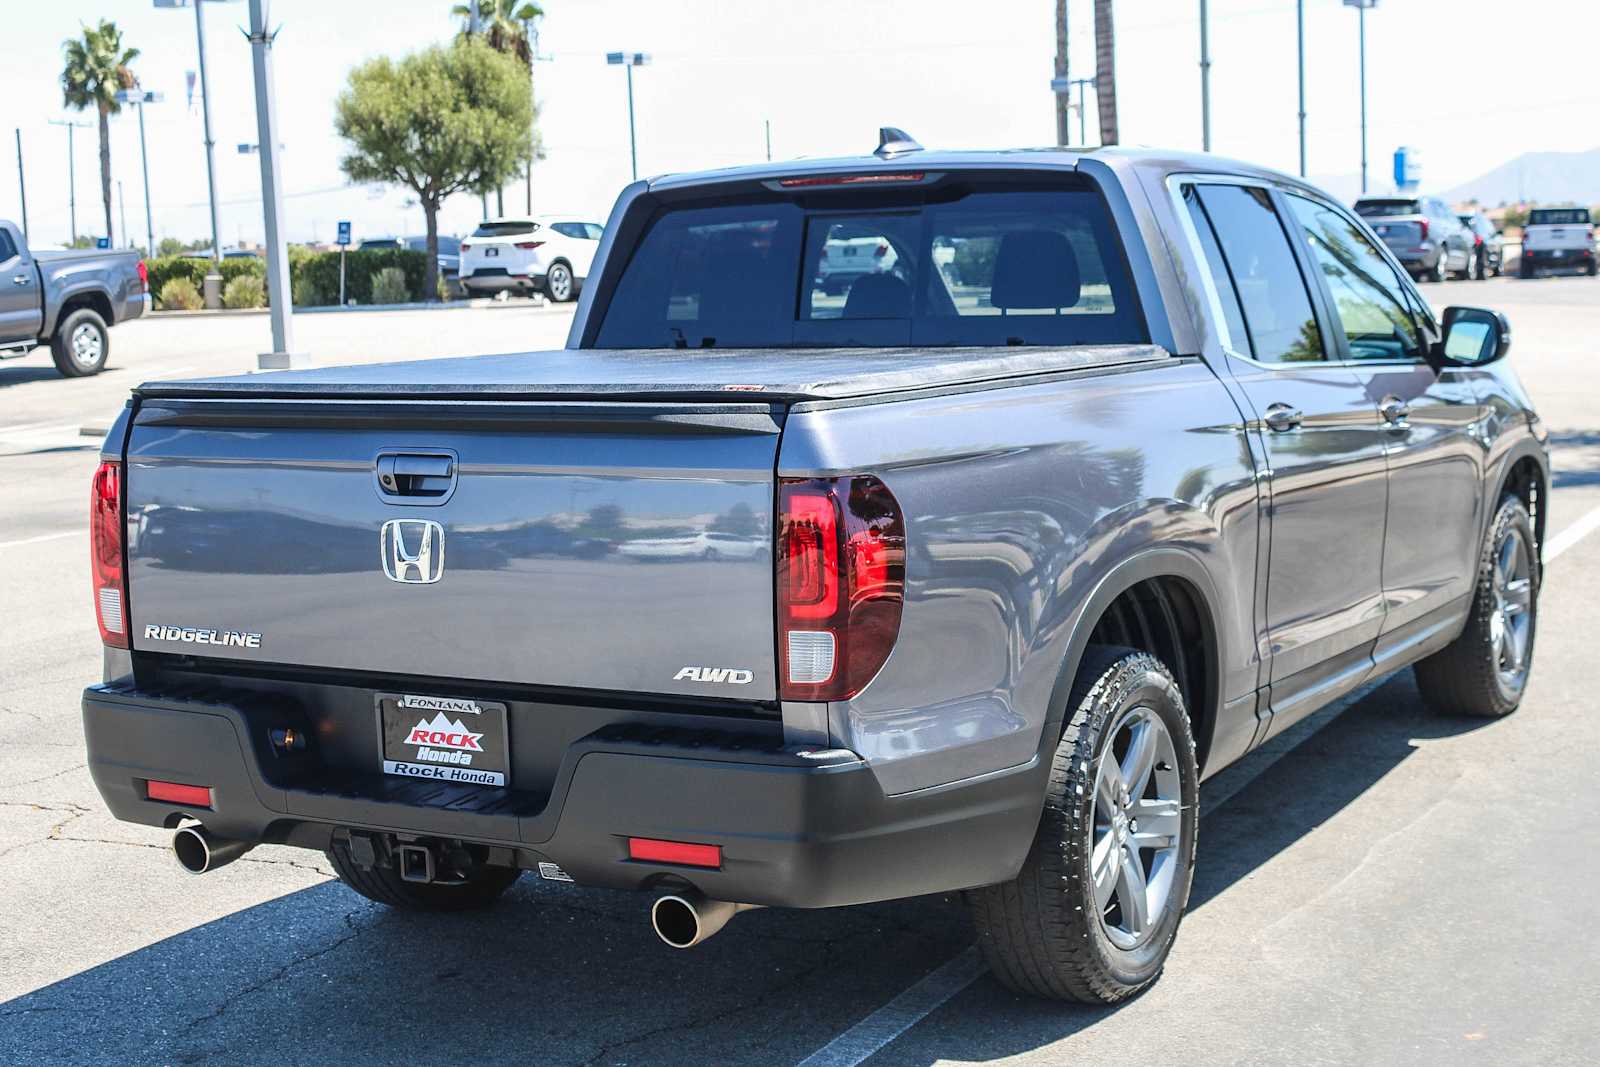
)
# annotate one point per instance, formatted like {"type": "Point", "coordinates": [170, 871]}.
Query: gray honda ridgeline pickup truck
{"type": "Point", "coordinates": [764, 593]}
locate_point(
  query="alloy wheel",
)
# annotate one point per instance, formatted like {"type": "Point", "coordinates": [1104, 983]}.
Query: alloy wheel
{"type": "Point", "coordinates": [1511, 626]}
{"type": "Point", "coordinates": [560, 282]}
{"type": "Point", "coordinates": [87, 345]}
{"type": "Point", "coordinates": [1137, 820]}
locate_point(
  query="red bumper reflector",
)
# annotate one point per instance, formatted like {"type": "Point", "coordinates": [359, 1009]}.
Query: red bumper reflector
{"type": "Point", "coordinates": [193, 796]}
{"type": "Point", "coordinates": [679, 852]}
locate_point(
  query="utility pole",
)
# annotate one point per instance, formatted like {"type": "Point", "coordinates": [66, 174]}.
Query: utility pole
{"type": "Point", "coordinates": [1205, 79]}
{"type": "Point", "coordinates": [122, 213]}
{"type": "Point", "coordinates": [213, 282]}
{"type": "Point", "coordinates": [1300, 36]}
{"type": "Point", "coordinates": [72, 172]}
{"type": "Point", "coordinates": [768, 124]}
{"type": "Point", "coordinates": [22, 184]}
{"type": "Point", "coordinates": [1061, 84]}
{"type": "Point", "coordinates": [278, 295]}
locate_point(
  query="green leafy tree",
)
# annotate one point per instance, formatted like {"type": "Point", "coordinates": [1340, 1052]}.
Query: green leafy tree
{"type": "Point", "coordinates": [512, 27]}
{"type": "Point", "coordinates": [96, 68]}
{"type": "Point", "coordinates": [439, 121]}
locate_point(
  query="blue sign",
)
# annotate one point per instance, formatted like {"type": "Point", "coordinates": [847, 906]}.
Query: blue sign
{"type": "Point", "coordinates": [102, 242]}
{"type": "Point", "coordinates": [1407, 167]}
{"type": "Point", "coordinates": [344, 233]}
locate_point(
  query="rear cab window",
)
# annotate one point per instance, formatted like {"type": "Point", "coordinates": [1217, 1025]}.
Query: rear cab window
{"type": "Point", "coordinates": [962, 263]}
{"type": "Point", "coordinates": [1380, 209]}
{"type": "Point", "coordinates": [504, 229]}
{"type": "Point", "coordinates": [1562, 216]}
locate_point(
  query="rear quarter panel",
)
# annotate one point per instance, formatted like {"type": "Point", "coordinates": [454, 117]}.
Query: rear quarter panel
{"type": "Point", "coordinates": [1019, 503]}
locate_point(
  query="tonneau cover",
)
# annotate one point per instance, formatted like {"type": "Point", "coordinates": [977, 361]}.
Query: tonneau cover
{"type": "Point", "coordinates": [726, 374]}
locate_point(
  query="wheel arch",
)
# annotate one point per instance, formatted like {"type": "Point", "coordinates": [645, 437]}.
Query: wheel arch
{"type": "Point", "coordinates": [1526, 477]}
{"type": "Point", "coordinates": [96, 300]}
{"type": "Point", "coordinates": [1162, 601]}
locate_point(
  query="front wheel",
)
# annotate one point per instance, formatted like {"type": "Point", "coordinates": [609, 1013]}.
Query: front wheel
{"type": "Point", "coordinates": [1094, 911]}
{"type": "Point", "coordinates": [558, 283]}
{"type": "Point", "coordinates": [1484, 672]}
{"type": "Point", "coordinates": [81, 344]}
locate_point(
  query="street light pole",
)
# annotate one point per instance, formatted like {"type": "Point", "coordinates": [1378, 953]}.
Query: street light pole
{"type": "Point", "coordinates": [1361, 15]}
{"type": "Point", "coordinates": [629, 60]}
{"type": "Point", "coordinates": [139, 98]}
{"type": "Point", "coordinates": [22, 184]}
{"type": "Point", "coordinates": [72, 173]}
{"type": "Point", "coordinates": [279, 298]}
{"type": "Point", "coordinates": [1300, 36]}
{"type": "Point", "coordinates": [1205, 79]}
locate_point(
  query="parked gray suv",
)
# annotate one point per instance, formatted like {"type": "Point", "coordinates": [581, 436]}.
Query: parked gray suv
{"type": "Point", "coordinates": [1026, 549]}
{"type": "Point", "coordinates": [1425, 235]}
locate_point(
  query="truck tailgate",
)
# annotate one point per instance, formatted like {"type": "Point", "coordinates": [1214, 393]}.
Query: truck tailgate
{"type": "Point", "coordinates": [601, 546]}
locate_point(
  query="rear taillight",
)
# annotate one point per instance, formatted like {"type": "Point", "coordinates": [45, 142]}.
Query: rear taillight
{"type": "Point", "coordinates": [841, 583]}
{"type": "Point", "coordinates": [883, 250]}
{"type": "Point", "coordinates": [105, 555]}
{"type": "Point", "coordinates": [529, 245]}
{"type": "Point", "coordinates": [1424, 225]}
{"type": "Point", "coordinates": [144, 277]}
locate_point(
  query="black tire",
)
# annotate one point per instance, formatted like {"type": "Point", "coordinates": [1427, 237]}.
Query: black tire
{"type": "Point", "coordinates": [1593, 268]}
{"type": "Point", "coordinates": [382, 884]}
{"type": "Point", "coordinates": [1042, 932]}
{"type": "Point", "coordinates": [1480, 265]}
{"type": "Point", "coordinates": [559, 283]}
{"type": "Point", "coordinates": [81, 344]}
{"type": "Point", "coordinates": [1440, 271]}
{"type": "Point", "coordinates": [1465, 677]}
{"type": "Point", "coordinates": [1524, 268]}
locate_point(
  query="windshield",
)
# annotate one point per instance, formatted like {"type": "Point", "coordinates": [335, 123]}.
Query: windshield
{"type": "Point", "coordinates": [504, 229]}
{"type": "Point", "coordinates": [1562, 216]}
{"type": "Point", "coordinates": [1014, 267]}
{"type": "Point", "coordinates": [1377, 209]}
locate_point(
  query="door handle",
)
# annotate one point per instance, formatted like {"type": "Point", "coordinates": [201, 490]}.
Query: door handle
{"type": "Point", "coordinates": [1281, 418]}
{"type": "Point", "coordinates": [1394, 410]}
{"type": "Point", "coordinates": [413, 475]}
{"type": "Point", "coordinates": [20, 279]}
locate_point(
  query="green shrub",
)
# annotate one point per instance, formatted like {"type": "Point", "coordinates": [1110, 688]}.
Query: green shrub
{"type": "Point", "coordinates": [389, 286]}
{"type": "Point", "coordinates": [306, 292]}
{"type": "Point", "coordinates": [360, 268]}
{"type": "Point", "coordinates": [245, 291]}
{"type": "Point", "coordinates": [180, 294]}
{"type": "Point", "coordinates": [166, 268]}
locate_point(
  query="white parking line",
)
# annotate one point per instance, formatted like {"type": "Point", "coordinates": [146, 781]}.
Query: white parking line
{"type": "Point", "coordinates": [43, 537]}
{"type": "Point", "coordinates": [927, 995]}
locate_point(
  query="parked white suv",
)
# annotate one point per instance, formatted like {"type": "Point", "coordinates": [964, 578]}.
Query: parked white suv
{"type": "Point", "coordinates": [546, 253]}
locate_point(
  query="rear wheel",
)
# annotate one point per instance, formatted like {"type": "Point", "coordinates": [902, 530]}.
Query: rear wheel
{"type": "Point", "coordinates": [1480, 266]}
{"type": "Point", "coordinates": [473, 886]}
{"type": "Point", "coordinates": [1093, 913]}
{"type": "Point", "coordinates": [558, 283]}
{"type": "Point", "coordinates": [1524, 268]}
{"type": "Point", "coordinates": [1441, 267]}
{"type": "Point", "coordinates": [81, 344]}
{"type": "Point", "coordinates": [1484, 671]}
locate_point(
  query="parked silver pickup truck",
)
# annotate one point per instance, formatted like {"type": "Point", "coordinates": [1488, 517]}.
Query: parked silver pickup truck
{"type": "Point", "coordinates": [1026, 549]}
{"type": "Point", "coordinates": [67, 300]}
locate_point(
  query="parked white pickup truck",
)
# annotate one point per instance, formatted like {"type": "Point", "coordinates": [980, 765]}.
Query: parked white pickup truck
{"type": "Point", "coordinates": [1557, 237]}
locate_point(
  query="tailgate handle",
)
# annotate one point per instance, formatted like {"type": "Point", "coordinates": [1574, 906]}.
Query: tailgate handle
{"type": "Point", "coordinates": [416, 474]}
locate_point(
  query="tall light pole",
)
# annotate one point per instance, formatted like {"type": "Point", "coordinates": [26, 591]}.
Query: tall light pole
{"type": "Point", "coordinates": [279, 297]}
{"type": "Point", "coordinates": [213, 283]}
{"type": "Point", "coordinates": [1300, 37]}
{"type": "Point", "coordinates": [1061, 84]}
{"type": "Point", "coordinates": [139, 98]}
{"type": "Point", "coordinates": [22, 184]}
{"type": "Point", "coordinates": [72, 172]}
{"type": "Point", "coordinates": [1205, 78]}
{"type": "Point", "coordinates": [629, 60]}
{"type": "Point", "coordinates": [1361, 13]}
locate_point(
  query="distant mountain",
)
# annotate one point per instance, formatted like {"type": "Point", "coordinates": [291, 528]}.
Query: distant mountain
{"type": "Point", "coordinates": [1546, 177]}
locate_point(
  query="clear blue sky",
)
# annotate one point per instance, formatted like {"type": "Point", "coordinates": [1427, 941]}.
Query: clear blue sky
{"type": "Point", "coordinates": [1445, 76]}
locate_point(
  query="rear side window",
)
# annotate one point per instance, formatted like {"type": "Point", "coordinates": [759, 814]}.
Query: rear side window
{"type": "Point", "coordinates": [987, 268]}
{"type": "Point", "coordinates": [7, 249]}
{"type": "Point", "coordinates": [504, 229]}
{"type": "Point", "coordinates": [1232, 314]}
{"type": "Point", "coordinates": [1265, 274]}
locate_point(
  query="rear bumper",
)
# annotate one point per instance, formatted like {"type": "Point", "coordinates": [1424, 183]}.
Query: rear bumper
{"type": "Point", "coordinates": [1558, 257]}
{"type": "Point", "coordinates": [797, 828]}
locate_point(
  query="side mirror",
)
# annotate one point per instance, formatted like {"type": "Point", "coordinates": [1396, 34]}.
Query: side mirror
{"type": "Point", "coordinates": [1473, 337]}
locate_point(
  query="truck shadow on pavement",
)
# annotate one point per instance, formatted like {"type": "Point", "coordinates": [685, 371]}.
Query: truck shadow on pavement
{"type": "Point", "coordinates": [561, 975]}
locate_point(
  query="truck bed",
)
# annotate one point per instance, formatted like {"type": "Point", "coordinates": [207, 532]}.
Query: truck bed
{"type": "Point", "coordinates": [792, 374]}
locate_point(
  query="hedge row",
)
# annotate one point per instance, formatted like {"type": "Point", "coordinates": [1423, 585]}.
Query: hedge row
{"type": "Point", "coordinates": [313, 276]}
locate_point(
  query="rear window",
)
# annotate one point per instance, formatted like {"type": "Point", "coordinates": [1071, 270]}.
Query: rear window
{"type": "Point", "coordinates": [1377, 209]}
{"type": "Point", "coordinates": [1558, 216]}
{"type": "Point", "coordinates": [504, 229]}
{"type": "Point", "coordinates": [987, 268]}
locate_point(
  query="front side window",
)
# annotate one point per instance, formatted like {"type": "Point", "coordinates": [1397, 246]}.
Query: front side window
{"type": "Point", "coordinates": [919, 267]}
{"type": "Point", "coordinates": [7, 249]}
{"type": "Point", "coordinates": [1368, 299]}
{"type": "Point", "coordinates": [1272, 293]}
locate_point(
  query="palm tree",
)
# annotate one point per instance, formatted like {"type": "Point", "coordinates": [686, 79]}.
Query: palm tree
{"type": "Point", "coordinates": [508, 26]}
{"type": "Point", "coordinates": [1105, 70]}
{"type": "Point", "coordinates": [96, 68]}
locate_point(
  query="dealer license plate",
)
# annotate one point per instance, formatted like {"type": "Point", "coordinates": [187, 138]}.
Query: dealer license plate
{"type": "Point", "coordinates": [445, 739]}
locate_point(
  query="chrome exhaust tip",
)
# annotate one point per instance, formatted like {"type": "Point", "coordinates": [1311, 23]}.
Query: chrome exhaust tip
{"type": "Point", "coordinates": [684, 920]}
{"type": "Point", "coordinates": [198, 850]}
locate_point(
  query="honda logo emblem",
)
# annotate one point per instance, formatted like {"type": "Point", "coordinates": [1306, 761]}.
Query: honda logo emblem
{"type": "Point", "coordinates": [412, 551]}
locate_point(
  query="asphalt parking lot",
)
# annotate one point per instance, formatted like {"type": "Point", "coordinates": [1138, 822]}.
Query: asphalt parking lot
{"type": "Point", "coordinates": [1378, 886]}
